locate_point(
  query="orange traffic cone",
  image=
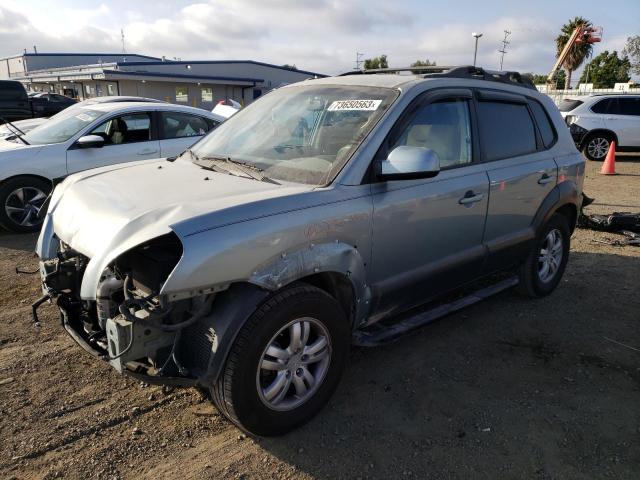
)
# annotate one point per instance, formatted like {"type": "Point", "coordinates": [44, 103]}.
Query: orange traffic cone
{"type": "Point", "coordinates": [609, 165]}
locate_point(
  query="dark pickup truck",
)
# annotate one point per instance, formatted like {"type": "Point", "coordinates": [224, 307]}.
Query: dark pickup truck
{"type": "Point", "coordinates": [15, 104]}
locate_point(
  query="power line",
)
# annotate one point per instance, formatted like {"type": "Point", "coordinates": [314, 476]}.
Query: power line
{"type": "Point", "coordinates": [504, 47]}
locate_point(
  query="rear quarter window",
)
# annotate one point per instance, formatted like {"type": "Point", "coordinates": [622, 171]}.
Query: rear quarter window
{"type": "Point", "coordinates": [602, 106]}
{"type": "Point", "coordinates": [506, 130]}
{"type": "Point", "coordinates": [12, 91]}
{"type": "Point", "coordinates": [545, 126]}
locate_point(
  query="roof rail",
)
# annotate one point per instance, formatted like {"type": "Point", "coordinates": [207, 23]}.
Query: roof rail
{"type": "Point", "coordinates": [467, 71]}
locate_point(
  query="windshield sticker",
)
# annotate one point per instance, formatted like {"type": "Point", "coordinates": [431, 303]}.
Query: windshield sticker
{"type": "Point", "coordinates": [342, 105]}
{"type": "Point", "coordinates": [84, 117]}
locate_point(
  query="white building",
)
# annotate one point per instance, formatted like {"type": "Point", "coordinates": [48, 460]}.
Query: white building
{"type": "Point", "coordinates": [196, 83]}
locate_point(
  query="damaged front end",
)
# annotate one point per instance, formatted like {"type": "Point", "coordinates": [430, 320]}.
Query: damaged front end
{"type": "Point", "coordinates": [130, 324]}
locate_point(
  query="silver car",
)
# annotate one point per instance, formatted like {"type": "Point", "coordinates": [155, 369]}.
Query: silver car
{"type": "Point", "coordinates": [309, 221]}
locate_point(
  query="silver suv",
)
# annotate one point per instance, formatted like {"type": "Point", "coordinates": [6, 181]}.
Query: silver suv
{"type": "Point", "coordinates": [310, 221]}
{"type": "Point", "coordinates": [596, 121]}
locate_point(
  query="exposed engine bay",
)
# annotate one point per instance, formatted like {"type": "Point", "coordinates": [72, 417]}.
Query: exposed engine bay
{"type": "Point", "coordinates": [133, 327]}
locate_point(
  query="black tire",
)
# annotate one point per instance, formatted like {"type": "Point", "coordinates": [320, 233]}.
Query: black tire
{"type": "Point", "coordinates": [595, 144]}
{"type": "Point", "coordinates": [236, 393]}
{"type": "Point", "coordinates": [531, 283]}
{"type": "Point", "coordinates": [30, 186]}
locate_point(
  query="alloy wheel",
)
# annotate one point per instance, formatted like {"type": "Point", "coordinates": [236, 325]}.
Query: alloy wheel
{"type": "Point", "coordinates": [550, 256]}
{"type": "Point", "coordinates": [22, 206]}
{"type": "Point", "coordinates": [598, 147]}
{"type": "Point", "coordinates": [294, 364]}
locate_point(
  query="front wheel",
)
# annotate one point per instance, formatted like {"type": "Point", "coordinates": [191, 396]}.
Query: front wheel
{"type": "Point", "coordinates": [285, 363]}
{"type": "Point", "coordinates": [21, 199]}
{"type": "Point", "coordinates": [543, 269]}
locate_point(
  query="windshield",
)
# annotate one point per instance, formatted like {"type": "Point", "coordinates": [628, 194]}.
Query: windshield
{"type": "Point", "coordinates": [62, 126]}
{"type": "Point", "coordinates": [299, 134]}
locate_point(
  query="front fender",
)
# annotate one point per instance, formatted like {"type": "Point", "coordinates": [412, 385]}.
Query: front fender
{"type": "Point", "coordinates": [334, 257]}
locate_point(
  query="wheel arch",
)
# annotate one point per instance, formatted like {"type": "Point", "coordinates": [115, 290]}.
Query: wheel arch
{"type": "Point", "coordinates": [26, 175]}
{"type": "Point", "coordinates": [602, 131]}
{"type": "Point", "coordinates": [565, 198]}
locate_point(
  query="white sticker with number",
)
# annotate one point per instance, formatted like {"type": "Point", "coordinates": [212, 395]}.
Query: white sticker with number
{"type": "Point", "coordinates": [366, 105]}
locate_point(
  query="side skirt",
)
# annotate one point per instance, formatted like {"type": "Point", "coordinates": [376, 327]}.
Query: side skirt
{"type": "Point", "coordinates": [378, 334]}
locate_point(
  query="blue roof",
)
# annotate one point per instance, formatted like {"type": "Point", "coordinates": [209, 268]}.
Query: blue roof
{"type": "Point", "coordinates": [181, 75]}
{"type": "Point", "coordinates": [46, 54]}
{"type": "Point", "coordinates": [218, 62]}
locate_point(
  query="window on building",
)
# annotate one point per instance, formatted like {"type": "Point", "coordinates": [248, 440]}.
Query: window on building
{"type": "Point", "coordinates": [207, 94]}
{"type": "Point", "coordinates": [111, 89]}
{"type": "Point", "coordinates": [179, 125]}
{"type": "Point", "coordinates": [130, 128]}
{"type": "Point", "coordinates": [443, 127]}
{"type": "Point", "coordinates": [182, 94]}
{"type": "Point", "coordinates": [87, 89]}
{"type": "Point", "coordinates": [506, 130]}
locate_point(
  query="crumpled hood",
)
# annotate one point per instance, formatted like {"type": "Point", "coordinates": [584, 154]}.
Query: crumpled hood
{"type": "Point", "coordinates": [106, 211]}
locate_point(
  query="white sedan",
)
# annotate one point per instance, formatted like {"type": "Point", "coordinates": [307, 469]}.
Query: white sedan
{"type": "Point", "coordinates": [89, 137]}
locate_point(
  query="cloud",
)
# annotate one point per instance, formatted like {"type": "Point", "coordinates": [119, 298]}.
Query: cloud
{"type": "Point", "coordinates": [319, 35]}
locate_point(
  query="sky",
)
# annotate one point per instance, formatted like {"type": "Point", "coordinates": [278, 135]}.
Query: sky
{"type": "Point", "coordinates": [317, 35]}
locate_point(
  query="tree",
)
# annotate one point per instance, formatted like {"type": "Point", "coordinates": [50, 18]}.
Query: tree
{"type": "Point", "coordinates": [420, 63]}
{"type": "Point", "coordinates": [376, 62]}
{"type": "Point", "coordinates": [539, 79]}
{"type": "Point", "coordinates": [290, 67]}
{"type": "Point", "coordinates": [606, 69]}
{"type": "Point", "coordinates": [632, 50]}
{"type": "Point", "coordinates": [578, 51]}
{"type": "Point", "coordinates": [536, 78]}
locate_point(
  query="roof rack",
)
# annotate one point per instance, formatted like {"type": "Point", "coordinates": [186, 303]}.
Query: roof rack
{"type": "Point", "coordinates": [467, 71]}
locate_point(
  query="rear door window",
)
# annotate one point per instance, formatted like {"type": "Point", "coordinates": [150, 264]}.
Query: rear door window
{"type": "Point", "coordinates": [506, 130]}
{"type": "Point", "coordinates": [629, 106]}
{"type": "Point", "coordinates": [180, 125]}
{"type": "Point", "coordinates": [11, 91]}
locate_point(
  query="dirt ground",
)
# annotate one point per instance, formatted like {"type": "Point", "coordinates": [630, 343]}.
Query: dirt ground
{"type": "Point", "coordinates": [508, 388]}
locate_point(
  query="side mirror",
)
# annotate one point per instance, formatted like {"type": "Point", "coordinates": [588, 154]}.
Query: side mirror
{"type": "Point", "coordinates": [406, 163]}
{"type": "Point", "coordinates": [90, 141]}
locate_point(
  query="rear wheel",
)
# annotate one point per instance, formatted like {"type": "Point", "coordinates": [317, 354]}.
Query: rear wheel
{"type": "Point", "coordinates": [542, 271]}
{"type": "Point", "coordinates": [20, 201]}
{"type": "Point", "coordinates": [285, 363]}
{"type": "Point", "coordinates": [596, 146]}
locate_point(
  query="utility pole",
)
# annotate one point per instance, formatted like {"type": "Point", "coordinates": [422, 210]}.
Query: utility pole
{"type": "Point", "coordinates": [359, 60]}
{"type": "Point", "coordinates": [475, 52]}
{"type": "Point", "coordinates": [122, 37]}
{"type": "Point", "coordinates": [504, 47]}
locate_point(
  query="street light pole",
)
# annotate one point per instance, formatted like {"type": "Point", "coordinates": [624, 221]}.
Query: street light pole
{"type": "Point", "coordinates": [475, 52]}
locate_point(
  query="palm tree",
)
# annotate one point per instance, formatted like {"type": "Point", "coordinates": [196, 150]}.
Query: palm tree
{"type": "Point", "coordinates": [578, 52]}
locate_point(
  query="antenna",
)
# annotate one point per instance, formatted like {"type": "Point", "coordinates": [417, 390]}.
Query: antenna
{"type": "Point", "coordinates": [359, 60]}
{"type": "Point", "coordinates": [122, 37]}
{"type": "Point", "coordinates": [504, 47]}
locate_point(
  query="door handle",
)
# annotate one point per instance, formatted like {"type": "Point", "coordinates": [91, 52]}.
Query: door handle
{"type": "Point", "coordinates": [470, 198]}
{"type": "Point", "coordinates": [544, 179]}
{"type": "Point", "coordinates": [147, 152]}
